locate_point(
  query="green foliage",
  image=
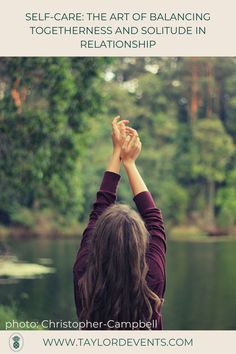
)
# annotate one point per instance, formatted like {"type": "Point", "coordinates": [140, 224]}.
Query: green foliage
{"type": "Point", "coordinates": [45, 104]}
{"type": "Point", "coordinates": [55, 134]}
{"type": "Point", "coordinates": [23, 216]}
{"type": "Point", "coordinates": [226, 201]}
{"type": "Point", "coordinates": [173, 201]}
{"type": "Point", "coordinates": [213, 149]}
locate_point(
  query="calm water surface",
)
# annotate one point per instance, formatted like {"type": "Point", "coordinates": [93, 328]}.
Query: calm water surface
{"type": "Point", "coordinates": [200, 294]}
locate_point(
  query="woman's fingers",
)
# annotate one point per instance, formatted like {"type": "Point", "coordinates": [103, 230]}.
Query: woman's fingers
{"type": "Point", "coordinates": [122, 130]}
{"type": "Point", "coordinates": [126, 143]}
{"type": "Point", "coordinates": [131, 131]}
{"type": "Point", "coordinates": [114, 123]}
{"type": "Point", "coordinates": [123, 121]}
{"type": "Point", "coordinates": [132, 141]}
{"type": "Point", "coordinates": [137, 144]}
{"type": "Point", "coordinates": [119, 126]}
{"type": "Point", "coordinates": [115, 120]}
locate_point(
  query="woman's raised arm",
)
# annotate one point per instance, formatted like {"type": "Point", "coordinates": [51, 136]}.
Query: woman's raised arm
{"type": "Point", "coordinates": [150, 214]}
{"type": "Point", "coordinates": [106, 194]}
{"type": "Point", "coordinates": [129, 153]}
{"type": "Point", "coordinates": [118, 138]}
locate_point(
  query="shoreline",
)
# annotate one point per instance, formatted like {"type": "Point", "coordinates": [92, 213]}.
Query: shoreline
{"type": "Point", "coordinates": [25, 232]}
{"type": "Point", "coordinates": [177, 233]}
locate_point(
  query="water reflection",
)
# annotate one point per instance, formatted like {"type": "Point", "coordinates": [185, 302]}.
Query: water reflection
{"type": "Point", "coordinates": [201, 288]}
{"type": "Point", "coordinates": [200, 294]}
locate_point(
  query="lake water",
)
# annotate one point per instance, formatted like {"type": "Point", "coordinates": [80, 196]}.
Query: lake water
{"type": "Point", "coordinates": [200, 294]}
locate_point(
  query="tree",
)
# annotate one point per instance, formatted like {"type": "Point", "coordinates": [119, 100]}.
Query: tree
{"type": "Point", "coordinates": [226, 200]}
{"type": "Point", "coordinates": [213, 150]}
{"type": "Point", "coordinates": [45, 109]}
{"type": "Point", "coordinates": [55, 111]}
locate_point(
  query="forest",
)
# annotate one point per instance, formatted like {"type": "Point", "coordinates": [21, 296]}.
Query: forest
{"type": "Point", "coordinates": [55, 138]}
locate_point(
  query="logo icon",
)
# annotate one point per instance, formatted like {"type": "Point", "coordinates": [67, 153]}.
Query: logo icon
{"type": "Point", "coordinates": [16, 342]}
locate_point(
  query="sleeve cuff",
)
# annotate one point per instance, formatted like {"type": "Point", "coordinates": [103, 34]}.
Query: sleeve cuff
{"type": "Point", "coordinates": [110, 181]}
{"type": "Point", "coordinates": [144, 201]}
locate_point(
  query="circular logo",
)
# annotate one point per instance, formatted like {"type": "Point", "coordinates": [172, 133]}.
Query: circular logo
{"type": "Point", "coordinates": [16, 342]}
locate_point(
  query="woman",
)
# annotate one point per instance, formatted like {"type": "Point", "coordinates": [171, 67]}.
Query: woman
{"type": "Point", "coordinates": [119, 273]}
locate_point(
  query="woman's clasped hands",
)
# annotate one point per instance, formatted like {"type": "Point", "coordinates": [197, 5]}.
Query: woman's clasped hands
{"type": "Point", "coordinates": [126, 141]}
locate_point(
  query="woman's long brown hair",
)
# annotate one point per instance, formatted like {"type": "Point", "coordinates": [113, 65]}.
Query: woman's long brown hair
{"type": "Point", "coordinates": [114, 285]}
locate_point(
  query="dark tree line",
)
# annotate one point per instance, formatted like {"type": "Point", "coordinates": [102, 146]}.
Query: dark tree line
{"type": "Point", "coordinates": [55, 134]}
